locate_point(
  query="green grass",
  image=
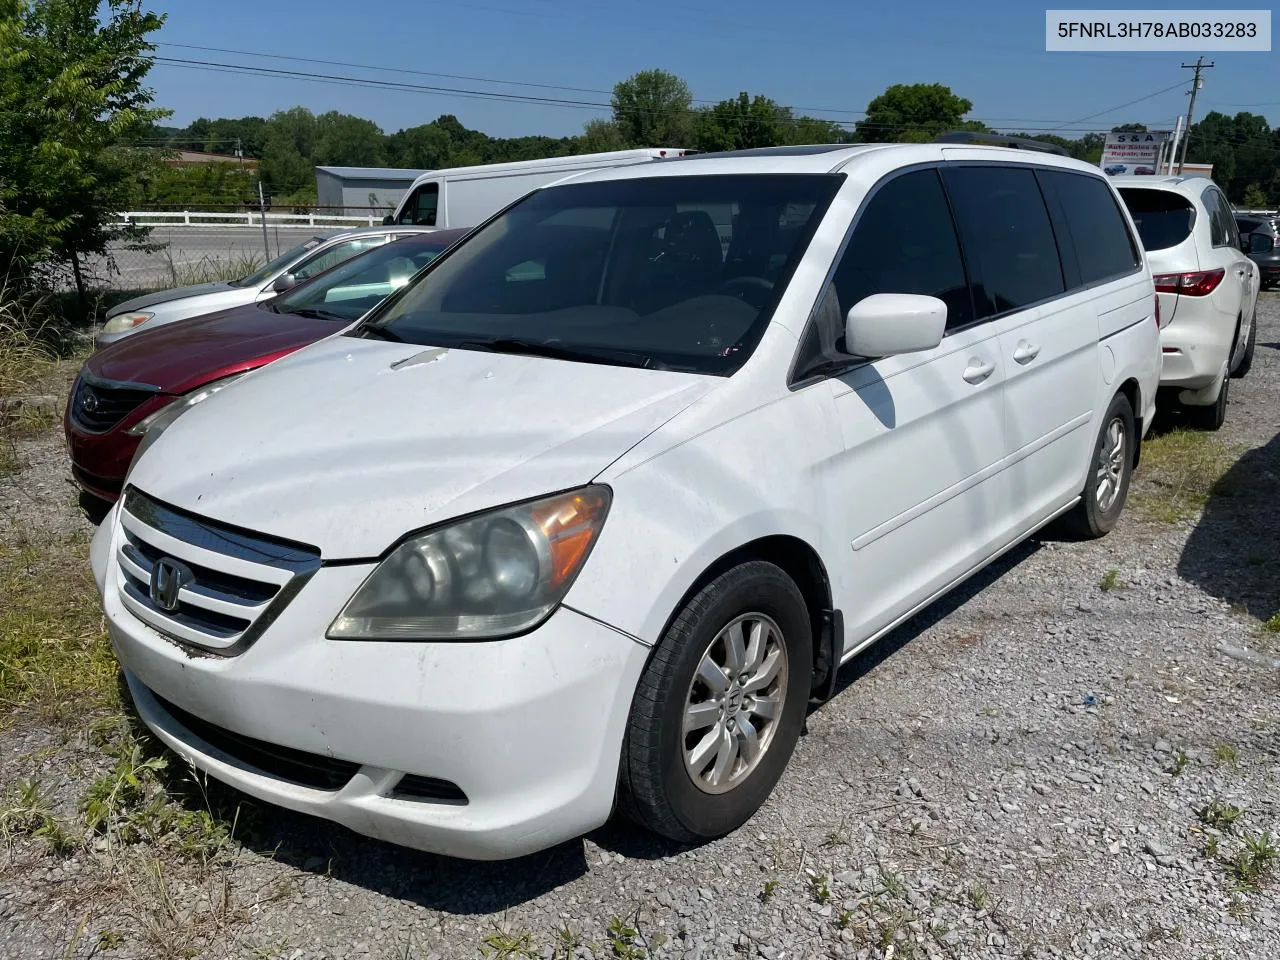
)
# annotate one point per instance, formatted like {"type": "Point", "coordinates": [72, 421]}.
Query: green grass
{"type": "Point", "coordinates": [1180, 470]}
{"type": "Point", "coordinates": [1256, 861]}
{"type": "Point", "coordinates": [1226, 754]}
{"type": "Point", "coordinates": [1272, 623]}
{"type": "Point", "coordinates": [1111, 581]}
{"type": "Point", "coordinates": [1220, 816]}
{"type": "Point", "coordinates": [819, 888]}
{"type": "Point", "coordinates": [54, 654]}
{"type": "Point", "coordinates": [501, 945]}
{"type": "Point", "coordinates": [213, 269]}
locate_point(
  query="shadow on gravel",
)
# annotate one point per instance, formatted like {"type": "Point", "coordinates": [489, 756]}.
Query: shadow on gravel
{"type": "Point", "coordinates": [1234, 551]}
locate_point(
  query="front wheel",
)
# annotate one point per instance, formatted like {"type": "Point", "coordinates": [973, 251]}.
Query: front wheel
{"type": "Point", "coordinates": [720, 706]}
{"type": "Point", "coordinates": [1110, 470]}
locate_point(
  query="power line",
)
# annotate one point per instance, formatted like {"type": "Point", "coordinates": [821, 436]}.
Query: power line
{"type": "Point", "coordinates": [370, 66]}
{"type": "Point", "coordinates": [251, 70]}
{"type": "Point", "coordinates": [1128, 103]}
{"type": "Point", "coordinates": [808, 110]}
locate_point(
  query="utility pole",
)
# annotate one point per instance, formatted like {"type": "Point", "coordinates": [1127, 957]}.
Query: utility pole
{"type": "Point", "coordinates": [1167, 164]}
{"type": "Point", "coordinates": [1196, 84]}
{"type": "Point", "coordinates": [262, 215]}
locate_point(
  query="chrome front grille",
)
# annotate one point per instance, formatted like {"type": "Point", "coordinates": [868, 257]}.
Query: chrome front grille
{"type": "Point", "coordinates": [98, 405]}
{"type": "Point", "coordinates": [202, 583]}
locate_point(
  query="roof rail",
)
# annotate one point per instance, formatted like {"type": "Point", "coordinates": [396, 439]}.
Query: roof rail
{"type": "Point", "coordinates": [999, 140]}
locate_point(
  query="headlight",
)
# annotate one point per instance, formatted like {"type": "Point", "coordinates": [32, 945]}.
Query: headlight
{"type": "Point", "coordinates": [157, 421]}
{"type": "Point", "coordinates": [490, 576]}
{"type": "Point", "coordinates": [126, 321]}
{"type": "Point", "coordinates": [150, 428]}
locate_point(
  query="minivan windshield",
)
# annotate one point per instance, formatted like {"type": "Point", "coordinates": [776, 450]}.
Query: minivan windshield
{"type": "Point", "coordinates": [353, 288]}
{"type": "Point", "coordinates": [1163, 219]}
{"type": "Point", "coordinates": [269, 269]}
{"type": "Point", "coordinates": [679, 272]}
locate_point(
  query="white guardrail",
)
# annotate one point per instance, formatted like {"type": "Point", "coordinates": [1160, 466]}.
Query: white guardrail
{"type": "Point", "coordinates": [196, 218]}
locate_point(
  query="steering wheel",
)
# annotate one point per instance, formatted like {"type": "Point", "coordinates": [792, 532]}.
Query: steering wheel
{"type": "Point", "coordinates": [750, 290]}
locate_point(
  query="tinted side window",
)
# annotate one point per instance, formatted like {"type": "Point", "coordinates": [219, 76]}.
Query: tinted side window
{"type": "Point", "coordinates": [905, 242]}
{"type": "Point", "coordinates": [1008, 241]}
{"type": "Point", "coordinates": [336, 255]}
{"type": "Point", "coordinates": [1230, 231]}
{"type": "Point", "coordinates": [421, 208]}
{"type": "Point", "coordinates": [1095, 228]}
{"type": "Point", "coordinates": [1218, 233]}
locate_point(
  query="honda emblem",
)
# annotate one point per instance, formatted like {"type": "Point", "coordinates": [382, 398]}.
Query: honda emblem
{"type": "Point", "coordinates": [168, 577]}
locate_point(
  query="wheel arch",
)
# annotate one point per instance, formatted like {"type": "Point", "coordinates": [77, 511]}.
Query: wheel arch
{"type": "Point", "coordinates": [801, 562]}
{"type": "Point", "coordinates": [1132, 391]}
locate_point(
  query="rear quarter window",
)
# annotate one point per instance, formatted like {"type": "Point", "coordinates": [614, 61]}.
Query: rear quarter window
{"type": "Point", "coordinates": [1095, 227]}
{"type": "Point", "coordinates": [1163, 219]}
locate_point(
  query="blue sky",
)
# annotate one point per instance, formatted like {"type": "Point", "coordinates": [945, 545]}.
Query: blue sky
{"type": "Point", "coordinates": [827, 54]}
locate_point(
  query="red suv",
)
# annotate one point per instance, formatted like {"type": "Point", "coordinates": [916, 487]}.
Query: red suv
{"type": "Point", "coordinates": [148, 379]}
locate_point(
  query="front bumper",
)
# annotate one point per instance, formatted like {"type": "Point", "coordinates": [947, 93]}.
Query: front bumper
{"type": "Point", "coordinates": [99, 462]}
{"type": "Point", "coordinates": [529, 729]}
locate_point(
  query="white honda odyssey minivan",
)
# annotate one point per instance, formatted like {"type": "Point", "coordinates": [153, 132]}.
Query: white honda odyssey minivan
{"type": "Point", "coordinates": [586, 515]}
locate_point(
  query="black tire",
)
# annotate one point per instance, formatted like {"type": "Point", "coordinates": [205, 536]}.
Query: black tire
{"type": "Point", "coordinates": [1246, 360]}
{"type": "Point", "coordinates": [1095, 516]}
{"type": "Point", "coordinates": [656, 789]}
{"type": "Point", "coordinates": [1213, 416]}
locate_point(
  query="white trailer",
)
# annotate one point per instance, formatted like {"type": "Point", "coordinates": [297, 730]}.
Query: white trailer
{"type": "Point", "coordinates": [466, 196]}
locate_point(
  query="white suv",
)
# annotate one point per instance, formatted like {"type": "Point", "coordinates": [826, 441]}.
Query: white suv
{"type": "Point", "coordinates": [597, 503]}
{"type": "Point", "coordinates": [1208, 288]}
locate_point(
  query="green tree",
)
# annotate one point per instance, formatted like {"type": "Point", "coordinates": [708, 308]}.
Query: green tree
{"type": "Point", "coordinates": [287, 152]}
{"type": "Point", "coordinates": [812, 130]}
{"type": "Point", "coordinates": [601, 136]}
{"type": "Point", "coordinates": [1255, 198]}
{"type": "Point", "coordinates": [73, 100]}
{"type": "Point", "coordinates": [741, 124]}
{"type": "Point", "coordinates": [200, 185]}
{"type": "Point", "coordinates": [424, 147]}
{"type": "Point", "coordinates": [653, 109]}
{"type": "Point", "coordinates": [914, 113]}
{"type": "Point", "coordinates": [346, 141]}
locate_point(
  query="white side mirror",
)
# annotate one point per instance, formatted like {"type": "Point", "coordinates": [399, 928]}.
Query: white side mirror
{"type": "Point", "coordinates": [885, 324]}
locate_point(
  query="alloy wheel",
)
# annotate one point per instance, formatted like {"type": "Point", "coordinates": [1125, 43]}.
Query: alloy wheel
{"type": "Point", "coordinates": [734, 703]}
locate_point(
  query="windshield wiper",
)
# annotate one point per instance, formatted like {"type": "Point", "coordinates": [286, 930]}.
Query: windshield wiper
{"type": "Point", "coordinates": [555, 351]}
{"type": "Point", "coordinates": [380, 333]}
{"type": "Point", "coordinates": [313, 314]}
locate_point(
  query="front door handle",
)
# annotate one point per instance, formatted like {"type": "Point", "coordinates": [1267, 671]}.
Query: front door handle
{"type": "Point", "coordinates": [977, 370]}
{"type": "Point", "coordinates": [1026, 352]}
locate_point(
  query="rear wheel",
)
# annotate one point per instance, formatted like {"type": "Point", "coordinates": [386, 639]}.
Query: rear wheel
{"type": "Point", "coordinates": [1246, 359]}
{"type": "Point", "coordinates": [1213, 416]}
{"type": "Point", "coordinates": [1110, 470]}
{"type": "Point", "coordinates": [719, 708]}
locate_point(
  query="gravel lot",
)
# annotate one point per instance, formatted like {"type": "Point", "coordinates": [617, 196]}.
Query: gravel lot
{"type": "Point", "coordinates": [1050, 763]}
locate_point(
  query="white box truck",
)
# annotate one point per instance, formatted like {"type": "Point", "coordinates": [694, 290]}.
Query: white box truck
{"type": "Point", "coordinates": [467, 196]}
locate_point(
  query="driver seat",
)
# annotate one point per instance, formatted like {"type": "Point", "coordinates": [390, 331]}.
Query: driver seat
{"type": "Point", "coordinates": [685, 262]}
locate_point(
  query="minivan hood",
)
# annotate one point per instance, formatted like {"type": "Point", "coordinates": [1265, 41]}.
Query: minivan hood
{"type": "Point", "coordinates": [178, 357]}
{"type": "Point", "coordinates": [164, 296]}
{"type": "Point", "coordinates": [350, 444]}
